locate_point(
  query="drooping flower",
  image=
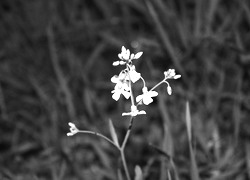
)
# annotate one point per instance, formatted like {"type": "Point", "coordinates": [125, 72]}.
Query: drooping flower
{"type": "Point", "coordinates": [169, 89]}
{"type": "Point", "coordinates": [134, 112]}
{"type": "Point", "coordinates": [73, 129]}
{"type": "Point", "coordinates": [134, 76]}
{"type": "Point", "coordinates": [170, 74]}
{"type": "Point", "coordinates": [146, 97]}
{"type": "Point", "coordinates": [121, 86]}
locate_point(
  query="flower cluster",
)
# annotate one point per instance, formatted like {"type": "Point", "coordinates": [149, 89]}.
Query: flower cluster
{"type": "Point", "coordinates": [128, 76]}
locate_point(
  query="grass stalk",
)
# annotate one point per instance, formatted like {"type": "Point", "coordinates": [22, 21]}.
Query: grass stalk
{"type": "Point", "coordinates": [125, 164]}
{"type": "Point", "coordinates": [123, 147]}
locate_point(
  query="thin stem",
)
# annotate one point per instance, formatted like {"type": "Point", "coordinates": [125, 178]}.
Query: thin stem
{"type": "Point", "coordinates": [123, 147]}
{"type": "Point", "coordinates": [125, 164]}
{"type": "Point", "coordinates": [157, 85]}
{"type": "Point", "coordinates": [130, 87]}
{"type": "Point", "coordinates": [132, 96]}
{"type": "Point", "coordinates": [128, 133]}
{"type": "Point", "coordinates": [100, 135]}
{"type": "Point", "coordinates": [144, 83]}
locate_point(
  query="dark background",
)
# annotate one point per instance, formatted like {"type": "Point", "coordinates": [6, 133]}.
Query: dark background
{"type": "Point", "coordinates": [55, 67]}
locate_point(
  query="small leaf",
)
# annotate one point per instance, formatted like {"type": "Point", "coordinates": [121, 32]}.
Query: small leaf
{"type": "Point", "coordinates": [138, 55]}
{"type": "Point", "coordinates": [138, 173]}
{"type": "Point", "coordinates": [113, 133]}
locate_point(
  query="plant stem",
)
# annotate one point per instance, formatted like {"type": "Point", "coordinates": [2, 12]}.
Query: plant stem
{"type": "Point", "coordinates": [123, 147]}
{"type": "Point", "coordinates": [158, 84]}
{"type": "Point", "coordinates": [128, 133]}
{"type": "Point", "coordinates": [125, 164]}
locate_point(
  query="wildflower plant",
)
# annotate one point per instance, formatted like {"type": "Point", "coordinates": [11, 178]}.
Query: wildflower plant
{"type": "Point", "coordinates": [123, 87]}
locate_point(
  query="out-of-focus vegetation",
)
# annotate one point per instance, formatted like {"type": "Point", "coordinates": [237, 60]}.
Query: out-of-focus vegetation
{"type": "Point", "coordinates": [56, 64]}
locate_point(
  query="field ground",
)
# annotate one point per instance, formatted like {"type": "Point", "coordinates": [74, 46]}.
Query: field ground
{"type": "Point", "coordinates": [55, 67]}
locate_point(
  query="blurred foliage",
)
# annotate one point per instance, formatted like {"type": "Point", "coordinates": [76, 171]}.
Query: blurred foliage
{"type": "Point", "coordinates": [55, 66]}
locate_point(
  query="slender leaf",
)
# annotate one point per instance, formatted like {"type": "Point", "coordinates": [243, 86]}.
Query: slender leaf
{"type": "Point", "coordinates": [138, 173]}
{"type": "Point", "coordinates": [113, 133]}
{"type": "Point", "coordinates": [194, 168]}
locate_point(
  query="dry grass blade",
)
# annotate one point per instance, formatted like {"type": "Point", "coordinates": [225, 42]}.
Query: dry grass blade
{"type": "Point", "coordinates": [198, 17]}
{"type": "Point", "coordinates": [138, 173]}
{"type": "Point", "coordinates": [167, 144]}
{"type": "Point", "coordinates": [169, 176]}
{"type": "Point", "coordinates": [94, 55]}
{"type": "Point", "coordinates": [2, 104]}
{"type": "Point", "coordinates": [237, 109]}
{"type": "Point", "coordinates": [188, 122]}
{"type": "Point", "coordinates": [246, 9]}
{"type": "Point", "coordinates": [194, 168]}
{"type": "Point", "coordinates": [119, 174]}
{"type": "Point", "coordinates": [211, 13]}
{"type": "Point", "coordinates": [248, 159]}
{"type": "Point", "coordinates": [165, 38]}
{"type": "Point", "coordinates": [61, 79]}
{"type": "Point", "coordinates": [167, 140]}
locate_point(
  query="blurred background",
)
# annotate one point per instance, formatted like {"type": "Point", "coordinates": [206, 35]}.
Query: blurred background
{"type": "Point", "coordinates": [55, 67]}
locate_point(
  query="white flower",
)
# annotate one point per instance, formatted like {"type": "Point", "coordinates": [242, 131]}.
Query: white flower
{"type": "Point", "coordinates": [134, 76]}
{"type": "Point", "coordinates": [170, 74]}
{"type": "Point", "coordinates": [121, 86]}
{"type": "Point", "coordinates": [146, 97]}
{"type": "Point", "coordinates": [118, 91]}
{"type": "Point", "coordinates": [73, 129]}
{"type": "Point", "coordinates": [134, 112]}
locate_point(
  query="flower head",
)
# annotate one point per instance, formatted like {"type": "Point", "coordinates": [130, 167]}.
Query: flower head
{"type": "Point", "coordinates": [146, 97]}
{"type": "Point", "coordinates": [134, 112]}
{"type": "Point", "coordinates": [73, 129]}
{"type": "Point", "coordinates": [126, 57]}
{"type": "Point", "coordinates": [170, 74]}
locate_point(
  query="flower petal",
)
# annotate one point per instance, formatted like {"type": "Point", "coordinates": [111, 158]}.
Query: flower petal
{"type": "Point", "coordinates": [177, 76]}
{"type": "Point", "coordinates": [138, 55]}
{"type": "Point", "coordinates": [116, 96]}
{"type": "Point", "coordinates": [122, 62]}
{"type": "Point", "coordinates": [152, 93]}
{"type": "Point", "coordinates": [116, 63]}
{"type": "Point", "coordinates": [126, 114]}
{"type": "Point", "coordinates": [142, 112]}
{"type": "Point", "coordinates": [126, 94]}
{"type": "Point", "coordinates": [139, 98]}
{"type": "Point", "coordinates": [123, 50]}
{"type": "Point", "coordinates": [115, 79]}
{"type": "Point", "coordinates": [70, 134]}
{"type": "Point", "coordinates": [71, 124]}
{"type": "Point", "coordinates": [147, 100]}
{"type": "Point", "coordinates": [120, 56]}
{"type": "Point", "coordinates": [132, 56]}
{"type": "Point", "coordinates": [134, 76]}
